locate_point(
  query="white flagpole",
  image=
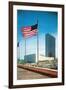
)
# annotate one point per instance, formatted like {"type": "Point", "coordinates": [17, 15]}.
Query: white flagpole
{"type": "Point", "coordinates": [18, 52]}
{"type": "Point", "coordinates": [37, 44]}
{"type": "Point", "coordinates": [25, 48]}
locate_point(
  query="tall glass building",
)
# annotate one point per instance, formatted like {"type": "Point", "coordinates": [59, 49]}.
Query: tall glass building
{"type": "Point", "coordinates": [49, 46]}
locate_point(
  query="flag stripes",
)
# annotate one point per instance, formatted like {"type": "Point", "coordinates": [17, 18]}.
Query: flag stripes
{"type": "Point", "coordinates": [29, 31]}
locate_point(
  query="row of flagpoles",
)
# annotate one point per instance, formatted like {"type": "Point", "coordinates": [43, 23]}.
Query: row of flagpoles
{"type": "Point", "coordinates": [28, 32]}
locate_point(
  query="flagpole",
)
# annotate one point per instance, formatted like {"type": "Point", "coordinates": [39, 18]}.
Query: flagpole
{"type": "Point", "coordinates": [19, 53]}
{"type": "Point", "coordinates": [25, 49]}
{"type": "Point", "coordinates": [37, 43]}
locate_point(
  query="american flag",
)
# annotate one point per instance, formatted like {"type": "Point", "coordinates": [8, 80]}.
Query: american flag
{"type": "Point", "coordinates": [29, 31]}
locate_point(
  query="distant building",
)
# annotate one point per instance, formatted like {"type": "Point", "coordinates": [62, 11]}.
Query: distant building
{"type": "Point", "coordinates": [43, 58]}
{"type": "Point", "coordinates": [31, 58]}
{"type": "Point", "coordinates": [49, 46]}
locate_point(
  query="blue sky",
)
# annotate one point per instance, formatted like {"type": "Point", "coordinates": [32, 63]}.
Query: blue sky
{"type": "Point", "coordinates": [47, 23]}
